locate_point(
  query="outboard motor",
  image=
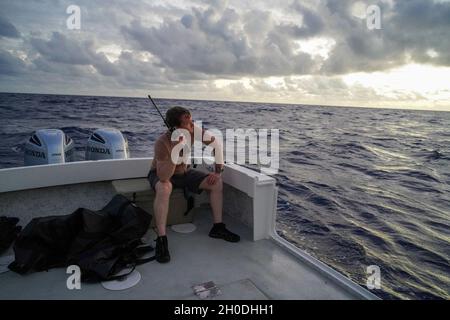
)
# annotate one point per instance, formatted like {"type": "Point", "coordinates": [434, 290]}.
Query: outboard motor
{"type": "Point", "coordinates": [48, 146]}
{"type": "Point", "coordinates": [106, 144]}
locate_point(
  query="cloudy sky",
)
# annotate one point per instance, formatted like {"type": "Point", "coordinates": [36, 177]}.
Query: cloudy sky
{"type": "Point", "coordinates": [288, 51]}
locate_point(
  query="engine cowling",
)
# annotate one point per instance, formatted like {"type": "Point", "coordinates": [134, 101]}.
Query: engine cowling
{"type": "Point", "coordinates": [104, 144]}
{"type": "Point", "coordinates": [48, 146]}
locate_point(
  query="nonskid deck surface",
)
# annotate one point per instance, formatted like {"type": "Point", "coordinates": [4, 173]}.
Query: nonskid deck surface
{"type": "Point", "coordinates": [245, 270]}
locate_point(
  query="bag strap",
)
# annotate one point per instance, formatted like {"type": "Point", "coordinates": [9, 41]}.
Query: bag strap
{"type": "Point", "coordinates": [137, 252]}
{"type": "Point", "coordinates": [142, 261]}
{"type": "Point", "coordinates": [140, 251]}
{"type": "Point", "coordinates": [122, 275]}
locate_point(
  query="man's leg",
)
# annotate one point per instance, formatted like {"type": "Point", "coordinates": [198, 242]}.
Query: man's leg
{"type": "Point", "coordinates": [161, 205]}
{"type": "Point", "coordinates": [216, 200]}
{"type": "Point", "coordinates": [161, 209]}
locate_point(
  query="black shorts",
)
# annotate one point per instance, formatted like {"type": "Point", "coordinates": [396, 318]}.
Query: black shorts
{"type": "Point", "coordinates": [189, 180]}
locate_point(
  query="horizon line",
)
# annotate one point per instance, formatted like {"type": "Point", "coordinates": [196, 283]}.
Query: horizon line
{"type": "Point", "coordinates": [238, 101]}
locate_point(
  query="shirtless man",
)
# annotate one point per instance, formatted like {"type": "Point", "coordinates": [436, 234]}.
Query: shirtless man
{"type": "Point", "coordinates": [165, 175]}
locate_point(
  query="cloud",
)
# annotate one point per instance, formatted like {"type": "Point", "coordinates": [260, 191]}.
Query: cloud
{"type": "Point", "coordinates": [409, 30]}
{"type": "Point", "coordinates": [7, 29]}
{"type": "Point", "coordinates": [10, 64]}
{"type": "Point", "coordinates": [312, 23]}
{"type": "Point", "coordinates": [72, 57]}
{"type": "Point", "coordinates": [215, 43]}
{"type": "Point", "coordinates": [428, 27]}
{"type": "Point", "coordinates": [138, 73]}
{"type": "Point", "coordinates": [63, 50]}
{"type": "Point", "coordinates": [221, 41]}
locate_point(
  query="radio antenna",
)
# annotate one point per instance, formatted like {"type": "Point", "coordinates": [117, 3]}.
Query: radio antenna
{"type": "Point", "coordinates": [164, 119]}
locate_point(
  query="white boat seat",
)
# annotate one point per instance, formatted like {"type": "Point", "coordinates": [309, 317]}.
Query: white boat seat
{"type": "Point", "coordinates": [132, 185]}
{"type": "Point", "coordinates": [139, 191]}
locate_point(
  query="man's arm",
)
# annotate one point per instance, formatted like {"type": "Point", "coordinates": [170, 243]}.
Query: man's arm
{"type": "Point", "coordinates": [201, 134]}
{"type": "Point", "coordinates": [165, 168]}
{"type": "Point", "coordinates": [209, 139]}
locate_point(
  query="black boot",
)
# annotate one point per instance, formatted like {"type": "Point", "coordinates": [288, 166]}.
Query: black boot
{"type": "Point", "coordinates": [220, 232]}
{"type": "Point", "coordinates": [162, 250]}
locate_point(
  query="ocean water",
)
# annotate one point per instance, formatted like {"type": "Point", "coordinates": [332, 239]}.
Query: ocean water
{"type": "Point", "coordinates": [357, 187]}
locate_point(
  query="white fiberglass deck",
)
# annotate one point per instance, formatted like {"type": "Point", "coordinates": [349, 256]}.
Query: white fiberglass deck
{"type": "Point", "coordinates": [245, 270]}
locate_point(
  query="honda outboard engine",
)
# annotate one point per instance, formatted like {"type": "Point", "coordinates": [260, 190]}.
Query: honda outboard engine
{"type": "Point", "coordinates": [49, 146]}
{"type": "Point", "coordinates": [106, 144]}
